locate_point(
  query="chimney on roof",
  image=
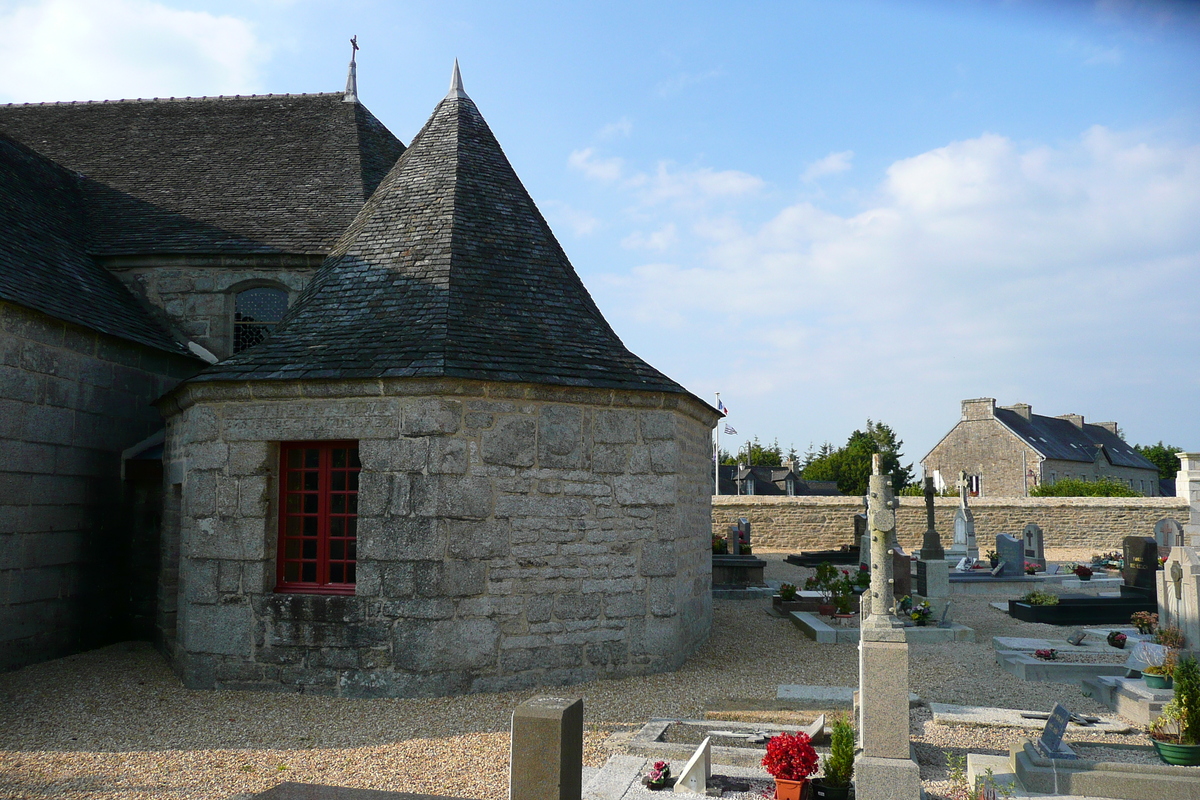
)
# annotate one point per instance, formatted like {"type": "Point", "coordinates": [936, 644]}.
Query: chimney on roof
{"type": "Point", "coordinates": [1020, 409]}
{"type": "Point", "coordinates": [1074, 419]}
{"type": "Point", "coordinates": [351, 95]}
{"type": "Point", "coordinates": [981, 408]}
{"type": "Point", "coordinates": [1111, 427]}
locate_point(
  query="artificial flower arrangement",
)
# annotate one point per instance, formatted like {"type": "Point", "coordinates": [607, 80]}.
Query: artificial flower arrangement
{"type": "Point", "coordinates": [1082, 571]}
{"type": "Point", "coordinates": [659, 775]}
{"type": "Point", "coordinates": [1117, 639]}
{"type": "Point", "coordinates": [1144, 621]}
{"type": "Point", "coordinates": [920, 613]}
{"type": "Point", "coordinates": [1046, 655]}
{"type": "Point", "coordinates": [1031, 568]}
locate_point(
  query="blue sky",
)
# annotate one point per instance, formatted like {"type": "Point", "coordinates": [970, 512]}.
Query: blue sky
{"type": "Point", "coordinates": [826, 211]}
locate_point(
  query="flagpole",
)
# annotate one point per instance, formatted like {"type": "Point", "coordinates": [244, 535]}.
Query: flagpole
{"type": "Point", "coordinates": [717, 453]}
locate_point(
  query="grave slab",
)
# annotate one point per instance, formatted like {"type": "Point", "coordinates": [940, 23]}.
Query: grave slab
{"type": "Point", "coordinates": [1028, 668]}
{"type": "Point", "coordinates": [1102, 779]}
{"type": "Point", "coordinates": [825, 698]}
{"type": "Point", "coordinates": [648, 742]}
{"type": "Point", "coordinates": [822, 633]}
{"type": "Point", "coordinates": [1022, 643]}
{"type": "Point", "coordinates": [615, 778]}
{"type": "Point", "coordinates": [985, 717]}
{"type": "Point", "coordinates": [291, 790]}
{"type": "Point", "coordinates": [1129, 697]}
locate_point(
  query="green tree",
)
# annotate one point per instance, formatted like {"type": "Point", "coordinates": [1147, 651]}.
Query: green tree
{"type": "Point", "coordinates": [760, 455]}
{"type": "Point", "coordinates": [850, 465]}
{"type": "Point", "coordinates": [1162, 456]}
{"type": "Point", "coordinates": [1072, 487]}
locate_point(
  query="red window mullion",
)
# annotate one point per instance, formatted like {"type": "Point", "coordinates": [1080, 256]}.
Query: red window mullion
{"type": "Point", "coordinates": [321, 583]}
{"type": "Point", "coordinates": [324, 478]}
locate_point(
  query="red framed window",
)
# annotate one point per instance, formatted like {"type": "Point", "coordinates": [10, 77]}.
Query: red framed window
{"type": "Point", "coordinates": [318, 517]}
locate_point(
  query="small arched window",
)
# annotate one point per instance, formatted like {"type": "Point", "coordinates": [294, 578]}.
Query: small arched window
{"type": "Point", "coordinates": [256, 312]}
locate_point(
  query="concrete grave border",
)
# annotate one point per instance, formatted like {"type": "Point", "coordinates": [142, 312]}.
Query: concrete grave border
{"type": "Point", "coordinates": [812, 627]}
{"type": "Point", "coordinates": [1028, 668]}
{"type": "Point", "coordinates": [646, 743]}
{"type": "Point", "coordinates": [1102, 778]}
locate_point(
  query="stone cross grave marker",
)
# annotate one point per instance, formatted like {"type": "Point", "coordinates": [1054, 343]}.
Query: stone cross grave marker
{"type": "Point", "coordinates": [1141, 562]}
{"type": "Point", "coordinates": [697, 771]}
{"type": "Point", "coordinates": [931, 546]}
{"type": "Point", "coordinates": [1179, 594]}
{"type": "Point", "coordinates": [1010, 550]}
{"type": "Point", "coordinates": [1168, 533]}
{"type": "Point", "coordinates": [1035, 546]}
{"type": "Point", "coordinates": [964, 525]}
{"type": "Point", "coordinates": [1050, 743]}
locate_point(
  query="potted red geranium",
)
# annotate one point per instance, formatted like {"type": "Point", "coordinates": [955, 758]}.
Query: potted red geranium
{"type": "Point", "coordinates": [1083, 572]}
{"type": "Point", "coordinates": [790, 759]}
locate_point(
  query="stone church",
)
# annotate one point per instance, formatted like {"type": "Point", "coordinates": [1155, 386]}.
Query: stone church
{"type": "Point", "coordinates": [403, 452]}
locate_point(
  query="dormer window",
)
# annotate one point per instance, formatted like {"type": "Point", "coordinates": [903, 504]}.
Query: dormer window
{"type": "Point", "coordinates": [256, 312]}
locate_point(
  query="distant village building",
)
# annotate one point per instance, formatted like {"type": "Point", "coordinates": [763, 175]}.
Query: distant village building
{"type": "Point", "coordinates": [1006, 451]}
{"type": "Point", "coordinates": [420, 462]}
{"type": "Point", "coordinates": [778, 481]}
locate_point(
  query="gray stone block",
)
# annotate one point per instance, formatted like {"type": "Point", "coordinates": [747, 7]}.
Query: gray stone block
{"type": "Point", "coordinates": [576, 606]}
{"type": "Point", "coordinates": [645, 490]}
{"type": "Point", "coordinates": [451, 497]}
{"type": "Point", "coordinates": [439, 645]}
{"type": "Point", "coordinates": [886, 778]}
{"type": "Point", "coordinates": [560, 437]}
{"type": "Point", "coordinates": [218, 629]}
{"type": "Point", "coordinates": [883, 678]}
{"type": "Point", "coordinates": [447, 456]}
{"type": "Point", "coordinates": [658, 560]}
{"type": "Point", "coordinates": [429, 416]}
{"type": "Point", "coordinates": [610, 458]}
{"type": "Point", "coordinates": [401, 539]}
{"type": "Point", "coordinates": [476, 539]}
{"type": "Point", "coordinates": [512, 442]}
{"type": "Point", "coordinates": [547, 750]}
{"type": "Point", "coordinates": [614, 427]}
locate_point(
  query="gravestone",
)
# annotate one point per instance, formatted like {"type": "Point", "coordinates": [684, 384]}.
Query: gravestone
{"type": "Point", "coordinates": [697, 771]}
{"type": "Point", "coordinates": [1035, 546]}
{"type": "Point", "coordinates": [1141, 562]}
{"type": "Point", "coordinates": [964, 526]}
{"type": "Point", "coordinates": [933, 571]}
{"type": "Point", "coordinates": [901, 572]}
{"type": "Point", "coordinates": [1168, 533]}
{"type": "Point", "coordinates": [546, 754]}
{"type": "Point", "coordinates": [1179, 594]}
{"type": "Point", "coordinates": [1077, 638]}
{"type": "Point", "coordinates": [1050, 743]}
{"type": "Point", "coordinates": [931, 545]}
{"type": "Point", "coordinates": [1011, 551]}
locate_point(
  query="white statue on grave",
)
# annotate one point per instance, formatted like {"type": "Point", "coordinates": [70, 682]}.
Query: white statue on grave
{"type": "Point", "coordinates": [964, 545]}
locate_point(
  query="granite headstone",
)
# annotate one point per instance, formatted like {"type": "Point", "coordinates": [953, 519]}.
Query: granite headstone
{"type": "Point", "coordinates": [1050, 743]}
{"type": "Point", "coordinates": [1035, 546]}
{"type": "Point", "coordinates": [1010, 550]}
{"type": "Point", "coordinates": [1141, 562]}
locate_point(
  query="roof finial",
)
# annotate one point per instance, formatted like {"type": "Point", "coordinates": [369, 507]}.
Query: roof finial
{"type": "Point", "coordinates": [352, 78]}
{"type": "Point", "coordinates": [456, 87]}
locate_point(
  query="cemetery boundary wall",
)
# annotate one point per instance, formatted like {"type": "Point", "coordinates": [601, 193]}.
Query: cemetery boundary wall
{"type": "Point", "coordinates": [818, 523]}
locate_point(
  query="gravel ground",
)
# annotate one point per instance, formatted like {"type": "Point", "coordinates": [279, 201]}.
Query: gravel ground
{"type": "Point", "coordinates": [115, 723]}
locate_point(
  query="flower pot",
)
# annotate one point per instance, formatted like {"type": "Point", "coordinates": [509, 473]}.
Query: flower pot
{"type": "Point", "coordinates": [995, 562]}
{"type": "Point", "coordinates": [789, 790]}
{"type": "Point", "coordinates": [1158, 681]}
{"type": "Point", "coordinates": [826, 609]}
{"type": "Point", "coordinates": [1181, 755]}
{"type": "Point", "coordinates": [822, 792]}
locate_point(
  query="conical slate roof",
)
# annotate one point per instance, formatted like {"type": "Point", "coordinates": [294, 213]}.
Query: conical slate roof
{"type": "Point", "coordinates": [449, 270]}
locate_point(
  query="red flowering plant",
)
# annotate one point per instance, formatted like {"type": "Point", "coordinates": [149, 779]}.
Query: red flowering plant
{"type": "Point", "coordinates": [790, 757]}
{"type": "Point", "coordinates": [1083, 571]}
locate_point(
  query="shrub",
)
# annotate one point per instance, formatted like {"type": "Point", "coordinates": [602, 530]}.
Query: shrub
{"type": "Point", "coordinates": [787, 592]}
{"type": "Point", "coordinates": [840, 764]}
{"type": "Point", "coordinates": [1070, 487]}
{"type": "Point", "coordinates": [1039, 598]}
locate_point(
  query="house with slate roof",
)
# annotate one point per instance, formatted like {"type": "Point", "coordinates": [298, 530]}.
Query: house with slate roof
{"type": "Point", "coordinates": [443, 472]}
{"type": "Point", "coordinates": [1008, 450]}
{"type": "Point", "coordinates": [737, 479]}
{"type": "Point", "coordinates": [139, 241]}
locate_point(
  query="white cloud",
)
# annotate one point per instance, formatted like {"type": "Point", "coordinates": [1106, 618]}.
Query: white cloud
{"type": "Point", "coordinates": [691, 187]}
{"type": "Point", "coordinates": [683, 80]}
{"type": "Point", "coordinates": [595, 167]}
{"type": "Point", "coordinates": [829, 165]}
{"type": "Point", "coordinates": [81, 50]}
{"type": "Point", "coordinates": [616, 130]}
{"type": "Point", "coordinates": [1062, 276]}
{"type": "Point", "coordinates": [661, 239]}
{"type": "Point", "coordinates": [580, 222]}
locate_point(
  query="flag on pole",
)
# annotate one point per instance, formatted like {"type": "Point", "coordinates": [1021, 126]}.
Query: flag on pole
{"type": "Point", "coordinates": [721, 407]}
{"type": "Point", "coordinates": [730, 430]}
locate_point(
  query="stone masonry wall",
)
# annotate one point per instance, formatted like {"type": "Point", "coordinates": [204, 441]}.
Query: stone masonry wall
{"type": "Point", "coordinates": [70, 401]}
{"type": "Point", "coordinates": [987, 448]}
{"type": "Point", "coordinates": [509, 535]}
{"type": "Point", "coordinates": [196, 293]}
{"type": "Point", "coordinates": [818, 523]}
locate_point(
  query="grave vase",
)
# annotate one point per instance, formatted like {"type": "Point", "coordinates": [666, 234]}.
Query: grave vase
{"type": "Point", "coordinates": [822, 792]}
{"type": "Point", "coordinates": [790, 790]}
{"type": "Point", "coordinates": [1181, 755]}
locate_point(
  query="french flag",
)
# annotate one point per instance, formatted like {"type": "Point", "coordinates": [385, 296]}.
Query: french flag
{"type": "Point", "coordinates": [721, 407]}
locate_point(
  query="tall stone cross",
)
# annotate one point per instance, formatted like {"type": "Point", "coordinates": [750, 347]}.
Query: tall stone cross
{"type": "Point", "coordinates": [963, 486]}
{"type": "Point", "coordinates": [931, 547]}
{"type": "Point", "coordinates": [881, 521]}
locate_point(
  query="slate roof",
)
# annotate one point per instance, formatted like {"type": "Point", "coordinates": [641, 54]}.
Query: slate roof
{"type": "Point", "coordinates": [44, 262]}
{"type": "Point", "coordinates": [1061, 439]}
{"type": "Point", "coordinates": [771, 481]}
{"type": "Point", "coordinates": [258, 174]}
{"type": "Point", "coordinates": [449, 270]}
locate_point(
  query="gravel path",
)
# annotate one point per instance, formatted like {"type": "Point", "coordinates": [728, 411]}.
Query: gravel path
{"type": "Point", "coordinates": [115, 723]}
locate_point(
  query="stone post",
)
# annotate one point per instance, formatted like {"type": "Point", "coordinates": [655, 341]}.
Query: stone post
{"type": "Point", "coordinates": [884, 769]}
{"type": "Point", "coordinates": [1187, 484]}
{"type": "Point", "coordinates": [546, 761]}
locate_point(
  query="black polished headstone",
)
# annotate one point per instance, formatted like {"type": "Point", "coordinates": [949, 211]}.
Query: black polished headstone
{"type": "Point", "coordinates": [1141, 562]}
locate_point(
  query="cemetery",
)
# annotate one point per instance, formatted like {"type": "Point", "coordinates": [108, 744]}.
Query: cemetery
{"type": "Point", "coordinates": [1032, 701]}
